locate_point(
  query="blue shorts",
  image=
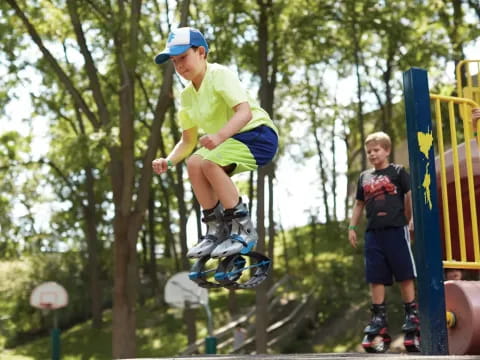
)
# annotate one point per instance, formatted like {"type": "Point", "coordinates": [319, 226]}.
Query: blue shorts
{"type": "Point", "coordinates": [244, 151]}
{"type": "Point", "coordinates": [262, 143]}
{"type": "Point", "coordinates": [388, 255]}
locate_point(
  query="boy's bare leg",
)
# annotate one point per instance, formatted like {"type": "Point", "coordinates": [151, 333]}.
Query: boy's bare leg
{"type": "Point", "coordinates": [407, 288]}
{"type": "Point", "coordinates": [202, 188]}
{"type": "Point", "coordinates": [221, 184]}
{"type": "Point", "coordinates": [377, 292]}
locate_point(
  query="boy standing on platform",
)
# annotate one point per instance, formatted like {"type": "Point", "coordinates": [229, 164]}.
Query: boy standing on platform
{"type": "Point", "coordinates": [384, 191]}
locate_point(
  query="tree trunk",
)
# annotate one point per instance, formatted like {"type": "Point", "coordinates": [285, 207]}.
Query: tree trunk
{"type": "Point", "coordinates": [125, 286]}
{"type": "Point", "coordinates": [266, 92]}
{"type": "Point", "coordinates": [271, 220]}
{"type": "Point", "coordinates": [285, 249]}
{"type": "Point", "coordinates": [355, 35]}
{"type": "Point", "coordinates": [93, 250]}
{"type": "Point", "coordinates": [261, 294]}
{"type": "Point", "coordinates": [152, 256]}
{"type": "Point", "coordinates": [93, 245]}
{"type": "Point", "coordinates": [333, 176]}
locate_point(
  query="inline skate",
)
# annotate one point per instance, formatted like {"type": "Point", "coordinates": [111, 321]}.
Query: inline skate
{"type": "Point", "coordinates": [235, 254]}
{"type": "Point", "coordinates": [411, 328]}
{"type": "Point", "coordinates": [377, 339]}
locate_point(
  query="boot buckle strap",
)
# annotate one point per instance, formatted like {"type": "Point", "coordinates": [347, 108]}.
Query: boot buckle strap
{"type": "Point", "coordinates": [237, 237]}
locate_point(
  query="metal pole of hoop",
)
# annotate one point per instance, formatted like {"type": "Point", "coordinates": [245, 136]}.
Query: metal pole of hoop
{"type": "Point", "coordinates": [55, 333]}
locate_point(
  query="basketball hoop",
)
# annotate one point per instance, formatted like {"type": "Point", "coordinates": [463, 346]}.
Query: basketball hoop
{"type": "Point", "coordinates": [49, 296]}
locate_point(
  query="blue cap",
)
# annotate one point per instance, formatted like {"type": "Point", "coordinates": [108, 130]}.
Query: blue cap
{"type": "Point", "coordinates": [179, 41]}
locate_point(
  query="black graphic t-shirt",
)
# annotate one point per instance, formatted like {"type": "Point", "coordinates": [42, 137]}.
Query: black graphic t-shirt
{"type": "Point", "coordinates": [383, 192]}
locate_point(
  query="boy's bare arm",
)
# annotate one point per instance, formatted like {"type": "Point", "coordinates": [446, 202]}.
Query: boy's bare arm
{"type": "Point", "coordinates": [240, 118]}
{"type": "Point", "coordinates": [181, 150]}
{"type": "Point", "coordinates": [185, 146]}
{"type": "Point", "coordinates": [356, 213]}
{"type": "Point", "coordinates": [407, 203]}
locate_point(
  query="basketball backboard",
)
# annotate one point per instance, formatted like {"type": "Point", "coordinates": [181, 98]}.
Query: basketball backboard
{"type": "Point", "coordinates": [180, 289]}
{"type": "Point", "coordinates": [49, 295]}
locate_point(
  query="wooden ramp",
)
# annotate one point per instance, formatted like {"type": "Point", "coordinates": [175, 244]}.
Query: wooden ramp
{"type": "Point", "coordinates": [325, 356]}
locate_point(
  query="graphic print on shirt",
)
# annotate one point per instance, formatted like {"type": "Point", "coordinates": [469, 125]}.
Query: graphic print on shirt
{"type": "Point", "coordinates": [377, 187]}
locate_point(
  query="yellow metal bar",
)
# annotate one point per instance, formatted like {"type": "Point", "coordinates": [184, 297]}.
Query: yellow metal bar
{"type": "Point", "coordinates": [478, 73]}
{"type": "Point", "coordinates": [458, 74]}
{"type": "Point", "coordinates": [457, 181]}
{"type": "Point", "coordinates": [443, 181]}
{"type": "Point", "coordinates": [461, 265]}
{"type": "Point", "coordinates": [469, 76]}
{"type": "Point", "coordinates": [467, 130]}
{"type": "Point", "coordinates": [464, 106]}
{"type": "Point", "coordinates": [454, 99]}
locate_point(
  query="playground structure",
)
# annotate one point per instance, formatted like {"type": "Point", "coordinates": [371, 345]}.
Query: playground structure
{"type": "Point", "coordinates": [456, 171]}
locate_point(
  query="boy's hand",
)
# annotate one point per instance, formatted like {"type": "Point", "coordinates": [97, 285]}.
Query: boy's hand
{"type": "Point", "coordinates": [352, 237]}
{"type": "Point", "coordinates": [160, 165]}
{"type": "Point", "coordinates": [210, 141]}
{"type": "Point", "coordinates": [475, 117]}
{"type": "Point", "coordinates": [411, 225]}
{"type": "Point", "coordinates": [476, 113]}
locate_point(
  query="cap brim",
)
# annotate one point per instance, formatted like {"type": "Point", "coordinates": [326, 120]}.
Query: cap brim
{"type": "Point", "coordinates": [171, 51]}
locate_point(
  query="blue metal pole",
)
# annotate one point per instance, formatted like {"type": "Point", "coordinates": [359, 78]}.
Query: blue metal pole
{"type": "Point", "coordinates": [428, 258]}
{"type": "Point", "coordinates": [55, 343]}
{"type": "Point", "coordinates": [210, 345]}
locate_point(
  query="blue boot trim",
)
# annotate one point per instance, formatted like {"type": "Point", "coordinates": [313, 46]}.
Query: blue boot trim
{"type": "Point", "coordinates": [249, 248]}
{"type": "Point", "coordinates": [194, 275]}
{"type": "Point", "coordinates": [236, 237]}
{"type": "Point", "coordinates": [220, 276]}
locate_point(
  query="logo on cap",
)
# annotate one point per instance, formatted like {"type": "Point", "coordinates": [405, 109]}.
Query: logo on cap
{"type": "Point", "coordinates": [171, 37]}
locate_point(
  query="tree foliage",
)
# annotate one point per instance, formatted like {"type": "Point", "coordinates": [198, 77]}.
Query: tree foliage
{"type": "Point", "coordinates": [328, 72]}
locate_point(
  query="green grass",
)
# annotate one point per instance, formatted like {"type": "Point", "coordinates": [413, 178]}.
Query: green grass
{"type": "Point", "coordinates": [160, 333]}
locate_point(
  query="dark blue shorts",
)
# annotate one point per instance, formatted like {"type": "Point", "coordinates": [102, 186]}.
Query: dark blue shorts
{"type": "Point", "coordinates": [262, 143]}
{"type": "Point", "coordinates": [245, 151]}
{"type": "Point", "coordinates": [388, 255]}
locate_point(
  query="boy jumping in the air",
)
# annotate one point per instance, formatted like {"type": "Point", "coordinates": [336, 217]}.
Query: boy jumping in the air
{"type": "Point", "coordinates": [238, 136]}
{"type": "Point", "coordinates": [385, 193]}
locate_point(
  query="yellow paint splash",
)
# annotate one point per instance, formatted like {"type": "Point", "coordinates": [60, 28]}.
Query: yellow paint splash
{"type": "Point", "coordinates": [426, 185]}
{"type": "Point", "coordinates": [425, 141]}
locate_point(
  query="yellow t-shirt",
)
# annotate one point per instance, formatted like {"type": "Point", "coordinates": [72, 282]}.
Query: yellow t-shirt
{"type": "Point", "coordinates": [211, 106]}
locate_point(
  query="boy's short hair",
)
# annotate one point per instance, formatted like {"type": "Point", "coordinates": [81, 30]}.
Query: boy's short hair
{"type": "Point", "coordinates": [380, 138]}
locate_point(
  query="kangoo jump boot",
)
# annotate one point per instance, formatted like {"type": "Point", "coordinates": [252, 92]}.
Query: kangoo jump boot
{"type": "Point", "coordinates": [217, 231]}
{"type": "Point", "coordinates": [243, 236]}
{"type": "Point", "coordinates": [377, 339]}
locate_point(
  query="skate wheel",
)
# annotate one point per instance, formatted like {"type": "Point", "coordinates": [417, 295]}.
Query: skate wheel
{"type": "Point", "coordinates": [462, 298]}
{"type": "Point", "coordinates": [376, 344]}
